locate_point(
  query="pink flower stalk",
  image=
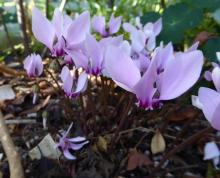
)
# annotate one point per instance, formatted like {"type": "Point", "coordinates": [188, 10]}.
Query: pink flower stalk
{"type": "Point", "coordinates": [71, 86]}
{"type": "Point", "coordinates": [33, 65]}
{"type": "Point", "coordinates": [67, 144]}
{"type": "Point", "coordinates": [176, 77]}
{"type": "Point", "coordinates": [61, 32]}
{"type": "Point", "coordinates": [98, 24]}
{"type": "Point", "coordinates": [144, 37]}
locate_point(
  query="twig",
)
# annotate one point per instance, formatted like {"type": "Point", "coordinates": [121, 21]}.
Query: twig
{"type": "Point", "coordinates": [20, 121]}
{"type": "Point", "coordinates": [16, 170]}
{"type": "Point", "coordinates": [10, 71]}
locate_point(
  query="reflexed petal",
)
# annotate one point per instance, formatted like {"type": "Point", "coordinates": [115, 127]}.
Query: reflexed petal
{"type": "Point", "coordinates": [121, 68]}
{"type": "Point", "coordinates": [216, 78]}
{"type": "Point", "coordinates": [129, 28]}
{"type": "Point", "coordinates": [144, 89]}
{"type": "Point", "coordinates": [196, 102]}
{"type": "Point", "coordinates": [77, 139]}
{"type": "Point", "coordinates": [79, 59]}
{"type": "Point", "coordinates": [42, 29]}
{"type": "Point", "coordinates": [210, 100]}
{"type": "Point", "coordinates": [218, 56]}
{"type": "Point", "coordinates": [157, 26]}
{"type": "Point", "coordinates": [114, 24]}
{"type": "Point", "coordinates": [57, 21]}
{"type": "Point", "coordinates": [180, 74]}
{"type": "Point", "coordinates": [193, 47]}
{"type": "Point", "coordinates": [77, 146]}
{"type": "Point", "coordinates": [95, 52]}
{"type": "Point", "coordinates": [67, 79]}
{"type": "Point", "coordinates": [151, 43]}
{"type": "Point", "coordinates": [138, 40]}
{"type": "Point", "coordinates": [98, 24]}
{"type": "Point", "coordinates": [68, 155]}
{"type": "Point", "coordinates": [208, 75]}
{"type": "Point", "coordinates": [39, 65]}
{"type": "Point", "coordinates": [77, 31]}
{"type": "Point", "coordinates": [211, 151]}
{"type": "Point", "coordinates": [82, 83]}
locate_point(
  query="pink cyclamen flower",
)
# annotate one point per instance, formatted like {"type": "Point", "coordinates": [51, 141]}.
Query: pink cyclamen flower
{"type": "Point", "coordinates": [90, 55]}
{"type": "Point", "coordinates": [33, 65]}
{"type": "Point", "coordinates": [98, 24]}
{"type": "Point", "coordinates": [144, 37]}
{"type": "Point", "coordinates": [71, 86]}
{"type": "Point", "coordinates": [61, 32]}
{"type": "Point", "coordinates": [177, 76]}
{"type": "Point", "coordinates": [208, 101]}
{"type": "Point", "coordinates": [211, 152]}
{"type": "Point", "coordinates": [67, 144]}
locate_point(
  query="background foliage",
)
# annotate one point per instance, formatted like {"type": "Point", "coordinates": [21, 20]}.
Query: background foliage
{"type": "Point", "coordinates": [183, 20]}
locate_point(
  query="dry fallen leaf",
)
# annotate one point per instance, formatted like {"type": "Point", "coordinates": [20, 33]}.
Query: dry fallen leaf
{"type": "Point", "coordinates": [158, 144]}
{"type": "Point", "coordinates": [102, 144]}
{"type": "Point", "coordinates": [136, 159]}
{"type": "Point", "coordinates": [6, 92]}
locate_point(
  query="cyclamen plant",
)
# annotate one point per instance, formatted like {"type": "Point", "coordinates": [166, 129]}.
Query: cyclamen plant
{"type": "Point", "coordinates": [154, 74]}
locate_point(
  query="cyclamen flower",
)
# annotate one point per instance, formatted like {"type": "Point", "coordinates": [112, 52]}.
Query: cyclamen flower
{"type": "Point", "coordinates": [143, 36]}
{"type": "Point", "coordinates": [208, 101]}
{"type": "Point", "coordinates": [71, 86]}
{"type": "Point", "coordinates": [91, 55]}
{"type": "Point", "coordinates": [98, 24]}
{"type": "Point", "coordinates": [177, 76]}
{"type": "Point", "coordinates": [61, 32]}
{"type": "Point", "coordinates": [33, 65]}
{"type": "Point", "coordinates": [211, 152]}
{"type": "Point", "coordinates": [67, 144]}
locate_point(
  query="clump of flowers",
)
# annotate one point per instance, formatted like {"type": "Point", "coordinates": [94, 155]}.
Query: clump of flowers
{"type": "Point", "coordinates": [153, 73]}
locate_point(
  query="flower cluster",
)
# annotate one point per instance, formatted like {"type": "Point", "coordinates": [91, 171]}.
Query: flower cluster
{"type": "Point", "coordinates": [153, 73]}
{"type": "Point", "coordinates": [137, 65]}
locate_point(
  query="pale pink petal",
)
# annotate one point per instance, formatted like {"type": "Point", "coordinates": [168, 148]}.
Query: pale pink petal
{"type": "Point", "coordinates": [180, 74]}
{"type": "Point", "coordinates": [211, 151]}
{"type": "Point", "coordinates": [95, 52]}
{"type": "Point", "coordinates": [42, 29]}
{"type": "Point", "coordinates": [216, 78]}
{"type": "Point", "coordinates": [138, 40]}
{"type": "Point", "coordinates": [78, 29]}
{"type": "Point", "coordinates": [77, 139]}
{"type": "Point", "coordinates": [144, 89]}
{"type": "Point", "coordinates": [57, 21]}
{"type": "Point", "coordinates": [193, 47]}
{"type": "Point", "coordinates": [157, 26]}
{"type": "Point", "coordinates": [98, 24]}
{"type": "Point", "coordinates": [79, 59]}
{"type": "Point", "coordinates": [77, 146]}
{"type": "Point", "coordinates": [210, 100]}
{"type": "Point", "coordinates": [121, 68]}
{"type": "Point", "coordinates": [218, 56]}
{"type": "Point", "coordinates": [208, 75]}
{"type": "Point", "coordinates": [82, 83]}
{"type": "Point", "coordinates": [68, 155]}
{"type": "Point", "coordinates": [67, 79]}
{"type": "Point", "coordinates": [129, 28]}
{"type": "Point", "coordinates": [114, 24]}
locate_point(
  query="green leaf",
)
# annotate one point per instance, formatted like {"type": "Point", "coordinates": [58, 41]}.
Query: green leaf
{"type": "Point", "coordinates": [209, 5]}
{"type": "Point", "coordinates": [210, 48]}
{"type": "Point", "coordinates": [216, 15]}
{"type": "Point", "coordinates": [176, 20]}
{"type": "Point", "coordinates": [150, 17]}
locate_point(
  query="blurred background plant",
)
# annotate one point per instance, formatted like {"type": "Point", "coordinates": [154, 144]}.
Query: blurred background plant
{"type": "Point", "coordinates": [184, 21]}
